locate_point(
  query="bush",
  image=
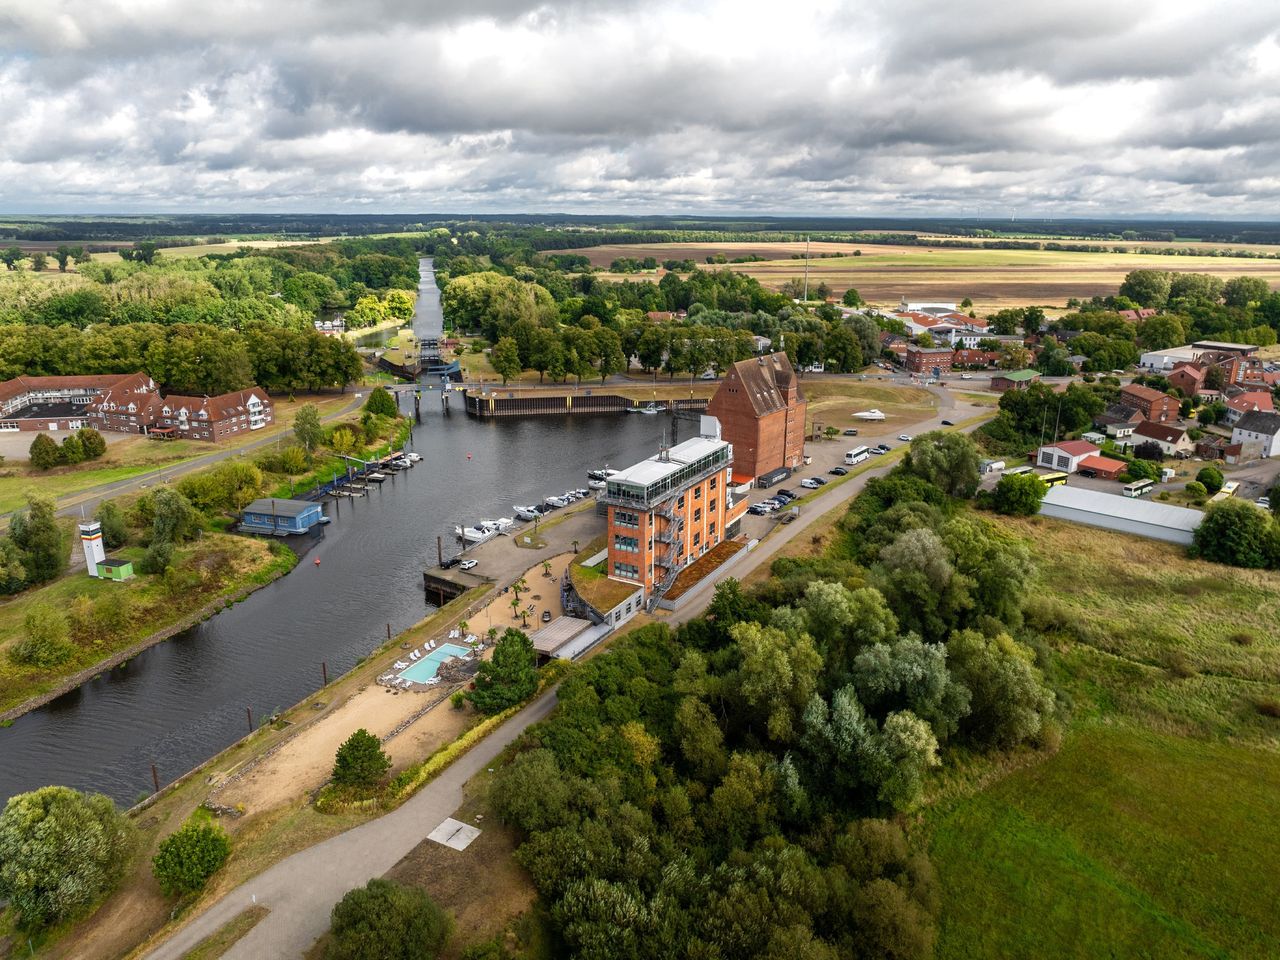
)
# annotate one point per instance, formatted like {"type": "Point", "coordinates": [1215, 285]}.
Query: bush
{"type": "Point", "coordinates": [115, 533]}
{"type": "Point", "coordinates": [44, 452]}
{"type": "Point", "coordinates": [157, 557]}
{"type": "Point", "coordinates": [509, 678]}
{"type": "Point", "coordinates": [91, 442]}
{"type": "Point", "coordinates": [1234, 532]}
{"type": "Point", "coordinates": [60, 851]}
{"type": "Point", "coordinates": [189, 857]}
{"type": "Point", "coordinates": [72, 450]}
{"type": "Point", "coordinates": [1211, 479]}
{"type": "Point", "coordinates": [360, 762]}
{"type": "Point", "coordinates": [1019, 495]}
{"type": "Point", "coordinates": [1268, 707]}
{"type": "Point", "coordinates": [45, 643]}
{"type": "Point", "coordinates": [381, 403]}
{"type": "Point", "coordinates": [1196, 490]}
{"type": "Point", "coordinates": [385, 920]}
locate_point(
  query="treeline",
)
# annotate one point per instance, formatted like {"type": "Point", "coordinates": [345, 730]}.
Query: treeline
{"type": "Point", "coordinates": [187, 358]}
{"type": "Point", "coordinates": [736, 788]}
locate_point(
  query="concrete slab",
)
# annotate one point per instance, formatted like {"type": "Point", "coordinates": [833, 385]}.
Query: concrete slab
{"type": "Point", "coordinates": [454, 834]}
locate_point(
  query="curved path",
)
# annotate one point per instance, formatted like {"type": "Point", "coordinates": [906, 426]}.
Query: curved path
{"type": "Point", "coordinates": [301, 890]}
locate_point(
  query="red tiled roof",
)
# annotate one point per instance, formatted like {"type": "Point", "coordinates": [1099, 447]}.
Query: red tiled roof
{"type": "Point", "coordinates": [20, 385]}
{"type": "Point", "coordinates": [1159, 431]}
{"type": "Point", "coordinates": [1144, 393]}
{"type": "Point", "coordinates": [1254, 400]}
{"type": "Point", "coordinates": [1105, 464]}
{"type": "Point", "coordinates": [1074, 448]}
{"type": "Point", "coordinates": [216, 408]}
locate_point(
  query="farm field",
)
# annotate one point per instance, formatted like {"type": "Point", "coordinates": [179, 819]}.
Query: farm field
{"type": "Point", "coordinates": [1148, 832]}
{"type": "Point", "coordinates": [991, 278]}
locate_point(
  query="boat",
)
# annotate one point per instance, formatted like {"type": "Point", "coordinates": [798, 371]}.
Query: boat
{"type": "Point", "coordinates": [555, 503]}
{"type": "Point", "coordinates": [375, 477]}
{"type": "Point", "coordinates": [597, 484]}
{"type": "Point", "coordinates": [602, 474]}
{"type": "Point", "coordinates": [872, 414]}
{"type": "Point", "coordinates": [526, 513]}
{"type": "Point", "coordinates": [650, 410]}
{"type": "Point", "coordinates": [582, 493]}
{"type": "Point", "coordinates": [324, 519]}
{"type": "Point", "coordinates": [502, 524]}
{"type": "Point", "coordinates": [413, 457]}
{"type": "Point", "coordinates": [474, 534]}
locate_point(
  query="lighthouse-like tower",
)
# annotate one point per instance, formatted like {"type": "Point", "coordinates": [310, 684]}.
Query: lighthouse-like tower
{"type": "Point", "coordinates": [91, 542]}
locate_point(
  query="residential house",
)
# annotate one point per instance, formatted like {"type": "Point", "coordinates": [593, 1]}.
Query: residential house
{"type": "Point", "coordinates": [1133, 316]}
{"type": "Point", "coordinates": [1173, 440]}
{"type": "Point", "coordinates": [1064, 455]}
{"type": "Point", "coordinates": [1014, 380]}
{"type": "Point", "coordinates": [215, 418]}
{"type": "Point", "coordinates": [1258, 431]}
{"type": "Point", "coordinates": [1248, 402]}
{"type": "Point", "coordinates": [1118, 420]}
{"type": "Point", "coordinates": [975, 359]}
{"type": "Point", "coordinates": [929, 361]}
{"type": "Point", "coordinates": [1152, 404]}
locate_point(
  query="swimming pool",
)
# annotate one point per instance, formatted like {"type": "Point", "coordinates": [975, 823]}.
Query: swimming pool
{"type": "Point", "coordinates": [424, 669]}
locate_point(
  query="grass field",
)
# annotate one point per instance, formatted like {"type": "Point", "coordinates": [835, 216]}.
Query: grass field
{"type": "Point", "coordinates": [1151, 832]}
{"type": "Point", "coordinates": [991, 278]}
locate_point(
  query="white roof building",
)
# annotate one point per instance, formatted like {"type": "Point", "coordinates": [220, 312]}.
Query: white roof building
{"type": "Point", "coordinates": [1134, 515]}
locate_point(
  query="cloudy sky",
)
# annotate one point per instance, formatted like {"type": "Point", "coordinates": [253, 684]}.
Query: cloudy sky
{"type": "Point", "coordinates": [973, 107]}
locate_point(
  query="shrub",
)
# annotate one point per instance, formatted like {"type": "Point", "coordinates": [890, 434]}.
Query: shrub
{"type": "Point", "coordinates": [1211, 479]}
{"type": "Point", "coordinates": [1019, 495]}
{"type": "Point", "coordinates": [509, 678]}
{"type": "Point", "coordinates": [1196, 490]}
{"type": "Point", "coordinates": [115, 533]}
{"type": "Point", "coordinates": [381, 403]}
{"type": "Point", "coordinates": [157, 557]}
{"type": "Point", "coordinates": [1234, 532]}
{"type": "Point", "coordinates": [1177, 664]}
{"type": "Point", "coordinates": [189, 857]}
{"type": "Point", "coordinates": [72, 450]}
{"type": "Point", "coordinates": [360, 762]}
{"type": "Point", "coordinates": [1243, 638]}
{"type": "Point", "coordinates": [45, 643]}
{"type": "Point", "coordinates": [387, 921]}
{"type": "Point", "coordinates": [91, 442]}
{"type": "Point", "coordinates": [60, 851]}
{"type": "Point", "coordinates": [44, 452]}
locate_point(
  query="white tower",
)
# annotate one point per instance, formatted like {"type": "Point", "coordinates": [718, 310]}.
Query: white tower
{"type": "Point", "coordinates": [91, 542]}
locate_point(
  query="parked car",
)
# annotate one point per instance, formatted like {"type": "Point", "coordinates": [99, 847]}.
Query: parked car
{"type": "Point", "coordinates": [877, 452]}
{"type": "Point", "coordinates": [450, 562]}
{"type": "Point", "coordinates": [966, 376]}
{"type": "Point", "coordinates": [757, 509]}
{"type": "Point", "coordinates": [810, 483]}
{"type": "Point", "coordinates": [468, 564]}
{"type": "Point", "coordinates": [947, 423]}
{"type": "Point", "coordinates": [784, 492]}
{"type": "Point", "coordinates": [904, 437]}
{"type": "Point", "coordinates": [851, 432]}
{"type": "Point", "coordinates": [838, 471]}
{"type": "Point", "coordinates": [1264, 502]}
{"type": "Point", "coordinates": [546, 616]}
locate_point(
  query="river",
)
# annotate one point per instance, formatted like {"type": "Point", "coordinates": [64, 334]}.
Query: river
{"type": "Point", "coordinates": [181, 701]}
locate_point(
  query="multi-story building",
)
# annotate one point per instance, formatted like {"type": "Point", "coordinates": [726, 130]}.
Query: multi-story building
{"type": "Point", "coordinates": [1152, 404]}
{"type": "Point", "coordinates": [59, 403]}
{"type": "Point", "coordinates": [214, 418]}
{"type": "Point", "coordinates": [761, 412]}
{"type": "Point", "coordinates": [927, 360]}
{"type": "Point", "coordinates": [666, 511]}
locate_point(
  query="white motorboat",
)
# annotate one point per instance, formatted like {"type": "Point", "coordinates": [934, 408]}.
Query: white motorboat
{"type": "Point", "coordinates": [502, 524]}
{"type": "Point", "coordinates": [582, 493]}
{"type": "Point", "coordinates": [602, 474]}
{"type": "Point", "coordinates": [872, 414]}
{"type": "Point", "coordinates": [556, 503]}
{"type": "Point", "coordinates": [597, 484]}
{"type": "Point", "coordinates": [413, 457]}
{"type": "Point", "coordinates": [474, 534]}
{"type": "Point", "coordinates": [526, 513]}
{"type": "Point", "coordinates": [375, 477]}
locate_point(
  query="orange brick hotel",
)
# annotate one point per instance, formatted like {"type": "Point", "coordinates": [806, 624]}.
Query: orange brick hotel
{"type": "Point", "coordinates": [668, 510]}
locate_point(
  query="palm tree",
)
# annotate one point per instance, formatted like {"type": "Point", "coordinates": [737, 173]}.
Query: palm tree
{"type": "Point", "coordinates": [546, 568]}
{"type": "Point", "coordinates": [462, 627]}
{"type": "Point", "coordinates": [524, 619]}
{"type": "Point", "coordinates": [520, 584]}
{"type": "Point", "coordinates": [515, 607]}
{"type": "Point", "coordinates": [492, 634]}
{"type": "Point", "coordinates": [575, 546]}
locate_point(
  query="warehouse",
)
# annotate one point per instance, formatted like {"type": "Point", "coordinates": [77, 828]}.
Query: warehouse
{"type": "Point", "coordinates": [1121, 514]}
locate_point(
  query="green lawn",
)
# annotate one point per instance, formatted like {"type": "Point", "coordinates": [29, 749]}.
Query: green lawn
{"type": "Point", "coordinates": [1125, 844]}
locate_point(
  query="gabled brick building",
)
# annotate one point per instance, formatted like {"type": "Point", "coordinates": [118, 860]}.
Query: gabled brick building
{"type": "Point", "coordinates": [761, 410]}
{"type": "Point", "coordinates": [1152, 404]}
{"type": "Point", "coordinates": [61, 403]}
{"type": "Point", "coordinates": [214, 418]}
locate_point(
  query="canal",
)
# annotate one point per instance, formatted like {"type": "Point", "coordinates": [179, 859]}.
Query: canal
{"type": "Point", "coordinates": [181, 701]}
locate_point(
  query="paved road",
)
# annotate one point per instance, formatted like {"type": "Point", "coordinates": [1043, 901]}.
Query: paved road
{"type": "Point", "coordinates": [300, 890]}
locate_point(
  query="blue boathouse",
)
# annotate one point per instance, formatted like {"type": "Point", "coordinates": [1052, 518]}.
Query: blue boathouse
{"type": "Point", "coordinates": [281, 517]}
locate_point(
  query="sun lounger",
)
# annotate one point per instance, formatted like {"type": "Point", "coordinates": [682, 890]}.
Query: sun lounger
{"type": "Point", "coordinates": [433, 680]}
{"type": "Point", "coordinates": [431, 645]}
{"type": "Point", "coordinates": [400, 665]}
{"type": "Point", "coordinates": [472, 638]}
{"type": "Point", "coordinates": [454, 634]}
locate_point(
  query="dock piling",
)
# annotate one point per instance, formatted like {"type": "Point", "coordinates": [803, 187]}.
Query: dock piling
{"type": "Point", "coordinates": [155, 777]}
{"type": "Point", "coordinates": [324, 673]}
{"type": "Point", "coordinates": [248, 712]}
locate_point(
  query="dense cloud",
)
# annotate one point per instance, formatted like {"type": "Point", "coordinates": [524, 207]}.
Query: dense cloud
{"type": "Point", "coordinates": [1084, 107]}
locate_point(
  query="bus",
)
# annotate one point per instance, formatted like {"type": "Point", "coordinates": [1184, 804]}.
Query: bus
{"type": "Point", "coordinates": [1053, 479]}
{"type": "Point", "coordinates": [857, 455]}
{"type": "Point", "coordinates": [1139, 488]}
{"type": "Point", "coordinates": [1228, 490]}
{"type": "Point", "coordinates": [1016, 471]}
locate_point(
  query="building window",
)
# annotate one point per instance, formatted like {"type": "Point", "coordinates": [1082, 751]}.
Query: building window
{"type": "Point", "coordinates": [711, 529]}
{"type": "Point", "coordinates": [713, 482]}
{"type": "Point", "coordinates": [697, 538]}
{"type": "Point", "coordinates": [697, 514]}
{"type": "Point", "coordinates": [697, 493]}
{"type": "Point", "coordinates": [627, 570]}
{"type": "Point", "coordinates": [630, 544]}
{"type": "Point", "coordinates": [711, 507]}
{"type": "Point", "coordinates": [617, 616]}
{"type": "Point", "coordinates": [628, 607]}
{"type": "Point", "coordinates": [624, 518]}
{"type": "Point", "coordinates": [680, 502]}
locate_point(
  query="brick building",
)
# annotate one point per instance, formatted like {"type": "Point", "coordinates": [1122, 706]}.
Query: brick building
{"type": "Point", "coordinates": [1014, 380]}
{"type": "Point", "coordinates": [925, 360]}
{"type": "Point", "coordinates": [1152, 404]}
{"type": "Point", "coordinates": [214, 418]}
{"type": "Point", "coordinates": [761, 412]}
{"type": "Point", "coordinates": [59, 403]}
{"type": "Point", "coordinates": [666, 511]}
{"type": "Point", "coordinates": [126, 407]}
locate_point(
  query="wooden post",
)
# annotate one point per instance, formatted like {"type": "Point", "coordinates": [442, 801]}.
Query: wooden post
{"type": "Point", "coordinates": [248, 712]}
{"type": "Point", "coordinates": [324, 673]}
{"type": "Point", "coordinates": [388, 631]}
{"type": "Point", "coordinates": [439, 551]}
{"type": "Point", "coordinates": [155, 777]}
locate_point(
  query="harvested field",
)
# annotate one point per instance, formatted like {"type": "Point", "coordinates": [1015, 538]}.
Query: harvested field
{"type": "Point", "coordinates": [991, 278]}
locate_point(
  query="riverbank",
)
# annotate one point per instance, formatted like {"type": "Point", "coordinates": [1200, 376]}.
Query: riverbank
{"type": "Point", "coordinates": [239, 565]}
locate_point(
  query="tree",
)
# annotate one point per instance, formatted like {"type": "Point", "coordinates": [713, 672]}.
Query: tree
{"type": "Point", "coordinates": [60, 851]}
{"type": "Point", "coordinates": [1009, 701]}
{"type": "Point", "coordinates": [1214, 378]}
{"type": "Point", "coordinates": [35, 532]}
{"type": "Point", "coordinates": [1019, 495]}
{"type": "Point", "coordinates": [115, 533]}
{"type": "Point", "coordinates": [1149, 288]}
{"type": "Point", "coordinates": [852, 298]}
{"type": "Point", "coordinates": [385, 920]}
{"type": "Point", "coordinates": [609, 350]}
{"type": "Point", "coordinates": [381, 403]}
{"type": "Point", "coordinates": [368, 311]}
{"type": "Point", "coordinates": [1234, 532]}
{"type": "Point", "coordinates": [1149, 450]}
{"type": "Point", "coordinates": [38, 262]}
{"type": "Point", "coordinates": [399, 304]}
{"type": "Point", "coordinates": [509, 678]}
{"type": "Point", "coordinates": [360, 762]}
{"type": "Point", "coordinates": [63, 256]}
{"type": "Point", "coordinates": [10, 256]}
{"type": "Point", "coordinates": [44, 452]}
{"type": "Point", "coordinates": [189, 857]}
{"type": "Point", "coordinates": [91, 442]}
{"type": "Point", "coordinates": [307, 428]}
{"type": "Point", "coordinates": [776, 677]}
{"type": "Point", "coordinates": [1242, 291]}
{"type": "Point", "coordinates": [505, 359]}
{"type": "Point", "coordinates": [947, 460]}
{"type": "Point", "coordinates": [44, 642]}
{"type": "Point", "coordinates": [1211, 478]}
{"type": "Point", "coordinates": [72, 449]}
{"type": "Point", "coordinates": [1195, 490]}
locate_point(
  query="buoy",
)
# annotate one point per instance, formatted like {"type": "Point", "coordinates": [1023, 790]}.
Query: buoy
{"type": "Point", "coordinates": [468, 456]}
{"type": "Point", "coordinates": [317, 561]}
